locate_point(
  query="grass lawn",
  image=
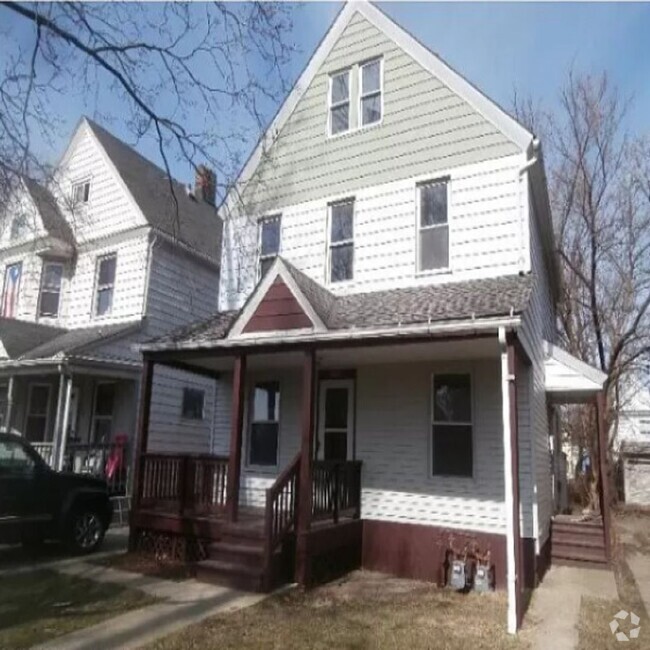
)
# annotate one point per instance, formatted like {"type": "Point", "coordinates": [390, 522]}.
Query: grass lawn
{"type": "Point", "coordinates": [147, 565]}
{"type": "Point", "coordinates": [41, 605]}
{"type": "Point", "coordinates": [365, 610]}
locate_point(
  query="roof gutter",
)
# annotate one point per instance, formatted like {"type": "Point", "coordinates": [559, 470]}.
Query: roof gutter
{"type": "Point", "coordinates": [469, 326]}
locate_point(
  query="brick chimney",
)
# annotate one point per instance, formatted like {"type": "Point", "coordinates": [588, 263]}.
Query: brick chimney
{"type": "Point", "coordinates": [205, 185]}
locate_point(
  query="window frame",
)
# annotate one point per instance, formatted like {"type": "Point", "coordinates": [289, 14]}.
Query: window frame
{"type": "Point", "coordinates": [85, 200]}
{"type": "Point", "coordinates": [46, 415]}
{"type": "Point", "coordinates": [446, 180]}
{"type": "Point", "coordinates": [18, 288]}
{"type": "Point", "coordinates": [252, 421]}
{"type": "Point", "coordinates": [471, 423]}
{"type": "Point", "coordinates": [260, 227]}
{"type": "Point", "coordinates": [98, 261]}
{"type": "Point", "coordinates": [95, 417]}
{"type": "Point", "coordinates": [188, 418]}
{"type": "Point", "coordinates": [362, 96]}
{"type": "Point", "coordinates": [331, 106]}
{"type": "Point", "coordinates": [45, 264]}
{"type": "Point", "coordinates": [339, 244]}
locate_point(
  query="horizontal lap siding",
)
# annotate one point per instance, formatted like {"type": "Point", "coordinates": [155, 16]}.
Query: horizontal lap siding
{"type": "Point", "coordinates": [485, 234]}
{"type": "Point", "coordinates": [279, 310]}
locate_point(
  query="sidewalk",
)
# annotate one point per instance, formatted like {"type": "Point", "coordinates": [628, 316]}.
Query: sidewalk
{"type": "Point", "coordinates": [184, 603]}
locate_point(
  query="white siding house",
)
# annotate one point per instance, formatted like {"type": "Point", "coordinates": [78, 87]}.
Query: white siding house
{"type": "Point", "coordinates": [96, 269]}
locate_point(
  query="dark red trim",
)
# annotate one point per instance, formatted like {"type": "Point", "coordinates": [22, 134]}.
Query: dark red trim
{"type": "Point", "coordinates": [236, 437]}
{"type": "Point", "coordinates": [604, 487]}
{"type": "Point", "coordinates": [306, 461]}
{"type": "Point", "coordinates": [514, 447]}
{"type": "Point", "coordinates": [335, 373]}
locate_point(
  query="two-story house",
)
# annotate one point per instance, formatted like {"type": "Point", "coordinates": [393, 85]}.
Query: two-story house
{"type": "Point", "coordinates": [385, 338]}
{"type": "Point", "coordinates": [96, 261]}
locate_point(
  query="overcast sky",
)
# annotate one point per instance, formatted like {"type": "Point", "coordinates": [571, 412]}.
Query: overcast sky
{"type": "Point", "coordinates": [500, 47]}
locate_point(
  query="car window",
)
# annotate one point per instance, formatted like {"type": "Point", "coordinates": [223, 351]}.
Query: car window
{"type": "Point", "coordinates": [14, 460]}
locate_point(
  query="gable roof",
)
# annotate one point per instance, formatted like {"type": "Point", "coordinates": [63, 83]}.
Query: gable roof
{"type": "Point", "coordinates": [53, 221]}
{"type": "Point", "coordinates": [489, 109]}
{"type": "Point", "coordinates": [18, 337]}
{"type": "Point", "coordinates": [470, 300]}
{"type": "Point", "coordinates": [196, 224]}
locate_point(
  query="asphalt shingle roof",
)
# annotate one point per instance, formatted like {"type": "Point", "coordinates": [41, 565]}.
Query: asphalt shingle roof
{"type": "Point", "coordinates": [19, 336]}
{"type": "Point", "coordinates": [53, 221]}
{"type": "Point", "coordinates": [484, 298]}
{"type": "Point", "coordinates": [195, 223]}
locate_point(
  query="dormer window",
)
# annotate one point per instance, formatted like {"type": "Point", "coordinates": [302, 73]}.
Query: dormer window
{"type": "Point", "coordinates": [370, 96]}
{"type": "Point", "coordinates": [339, 118]}
{"type": "Point", "coordinates": [81, 193]}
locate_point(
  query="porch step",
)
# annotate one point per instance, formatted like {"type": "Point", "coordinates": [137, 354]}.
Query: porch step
{"type": "Point", "coordinates": [242, 554]}
{"type": "Point", "coordinates": [235, 575]}
{"type": "Point", "coordinates": [577, 554]}
{"type": "Point", "coordinates": [578, 543]}
{"type": "Point", "coordinates": [573, 539]}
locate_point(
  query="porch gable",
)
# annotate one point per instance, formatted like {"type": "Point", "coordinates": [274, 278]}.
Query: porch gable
{"type": "Point", "coordinates": [277, 304]}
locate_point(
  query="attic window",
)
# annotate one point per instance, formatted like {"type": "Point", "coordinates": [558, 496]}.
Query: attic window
{"type": "Point", "coordinates": [339, 100]}
{"type": "Point", "coordinates": [370, 86]}
{"type": "Point", "coordinates": [269, 242]}
{"type": "Point", "coordinates": [81, 192]}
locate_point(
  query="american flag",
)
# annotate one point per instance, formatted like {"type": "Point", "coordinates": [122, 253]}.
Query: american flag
{"type": "Point", "coordinates": [12, 285]}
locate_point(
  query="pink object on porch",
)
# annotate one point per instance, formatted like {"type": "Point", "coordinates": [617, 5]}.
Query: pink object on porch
{"type": "Point", "coordinates": [115, 461]}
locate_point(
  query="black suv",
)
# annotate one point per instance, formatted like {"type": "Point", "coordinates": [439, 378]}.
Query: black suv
{"type": "Point", "coordinates": [37, 503]}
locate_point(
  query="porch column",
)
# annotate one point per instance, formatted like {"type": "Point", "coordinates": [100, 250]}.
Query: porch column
{"type": "Point", "coordinates": [511, 479]}
{"type": "Point", "coordinates": [141, 439]}
{"type": "Point", "coordinates": [604, 488]}
{"type": "Point", "coordinates": [236, 436]}
{"type": "Point", "coordinates": [10, 404]}
{"type": "Point", "coordinates": [303, 567]}
{"type": "Point", "coordinates": [58, 429]}
{"type": "Point", "coordinates": [65, 424]}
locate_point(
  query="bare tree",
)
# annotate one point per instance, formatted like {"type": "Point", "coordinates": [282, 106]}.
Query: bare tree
{"type": "Point", "coordinates": [599, 183]}
{"type": "Point", "coordinates": [218, 65]}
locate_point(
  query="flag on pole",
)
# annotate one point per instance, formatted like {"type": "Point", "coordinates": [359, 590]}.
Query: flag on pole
{"type": "Point", "coordinates": [12, 287]}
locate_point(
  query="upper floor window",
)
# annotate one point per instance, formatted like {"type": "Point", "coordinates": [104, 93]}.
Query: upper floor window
{"type": "Point", "coordinates": [50, 295]}
{"type": "Point", "coordinates": [193, 401]}
{"type": "Point", "coordinates": [339, 100]}
{"type": "Point", "coordinates": [341, 241]}
{"type": "Point", "coordinates": [265, 424]}
{"type": "Point", "coordinates": [105, 283]}
{"type": "Point", "coordinates": [18, 226]}
{"type": "Point", "coordinates": [451, 426]}
{"type": "Point", "coordinates": [644, 427]}
{"type": "Point", "coordinates": [370, 87]}
{"type": "Point", "coordinates": [81, 192]}
{"type": "Point", "coordinates": [11, 290]}
{"type": "Point", "coordinates": [433, 226]}
{"type": "Point", "coordinates": [269, 242]}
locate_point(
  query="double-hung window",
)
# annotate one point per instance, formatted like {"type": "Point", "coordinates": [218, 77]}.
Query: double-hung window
{"type": "Point", "coordinates": [48, 303]}
{"type": "Point", "coordinates": [265, 424]}
{"type": "Point", "coordinates": [105, 284]}
{"type": "Point", "coordinates": [339, 95]}
{"type": "Point", "coordinates": [269, 242]}
{"type": "Point", "coordinates": [433, 225]}
{"type": "Point", "coordinates": [193, 402]}
{"type": "Point", "coordinates": [370, 85]}
{"type": "Point", "coordinates": [341, 241]}
{"type": "Point", "coordinates": [81, 193]}
{"type": "Point", "coordinates": [451, 425]}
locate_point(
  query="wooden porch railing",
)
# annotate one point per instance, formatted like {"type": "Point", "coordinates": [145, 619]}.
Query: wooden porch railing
{"type": "Point", "coordinates": [183, 483]}
{"type": "Point", "coordinates": [336, 489]}
{"type": "Point", "coordinates": [46, 451]}
{"type": "Point", "coordinates": [282, 504]}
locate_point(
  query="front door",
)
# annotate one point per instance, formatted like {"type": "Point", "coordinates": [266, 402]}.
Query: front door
{"type": "Point", "coordinates": [336, 420]}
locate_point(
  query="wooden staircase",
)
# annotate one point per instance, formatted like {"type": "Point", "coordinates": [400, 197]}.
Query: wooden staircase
{"type": "Point", "coordinates": [576, 542]}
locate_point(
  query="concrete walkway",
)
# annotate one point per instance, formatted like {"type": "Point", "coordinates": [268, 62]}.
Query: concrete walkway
{"type": "Point", "coordinates": [185, 602]}
{"type": "Point", "coordinates": [555, 604]}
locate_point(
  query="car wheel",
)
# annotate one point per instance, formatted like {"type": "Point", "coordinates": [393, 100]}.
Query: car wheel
{"type": "Point", "coordinates": [86, 531]}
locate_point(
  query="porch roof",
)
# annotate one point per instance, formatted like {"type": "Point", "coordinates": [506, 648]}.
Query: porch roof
{"type": "Point", "coordinates": [361, 314]}
{"type": "Point", "coordinates": [25, 342]}
{"type": "Point", "coordinates": [568, 379]}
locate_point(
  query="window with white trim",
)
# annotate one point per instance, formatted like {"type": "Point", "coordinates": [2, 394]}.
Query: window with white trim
{"type": "Point", "coordinates": [341, 241]}
{"type": "Point", "coordinates": [265, 424]}
{"type": "Point", "coordinates": [370, 92]}
{"type": "Point", "coordinates": [433, 225]}
{"type": "Point", "coordinates": [268, 242]}
{"type": "Point", "coordinates": [81, 193]}
{"type": "Point", "coordinates": [193, 403]}
{"type": "Point", "coordinates": [105, 284]}
{"type": "Point", "coordinates": [644, 427]}
{"type": "Point", "coordinates": [339, 102]}
{"type": "Point", "coordinates": [50, 294]}
{"type": "Point", "coordinates": [451, 425]}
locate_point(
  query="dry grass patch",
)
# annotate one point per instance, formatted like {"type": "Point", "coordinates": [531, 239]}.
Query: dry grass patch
{"type": "Point", "coordinates": [365, 610]}
{"type": "Point", "coordinates": [594, 631]}
{"type": "Point", "coordinates": [147, 565]}
{"type": "Point", "coordinates": [42, 605]}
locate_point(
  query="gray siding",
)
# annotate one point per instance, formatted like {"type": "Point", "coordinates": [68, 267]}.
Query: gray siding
{"type": "Point", "coordinates": [425, 129]}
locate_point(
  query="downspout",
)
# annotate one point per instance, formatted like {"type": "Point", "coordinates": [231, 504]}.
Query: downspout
{"type": "Point", "coordinates": [524, 215]}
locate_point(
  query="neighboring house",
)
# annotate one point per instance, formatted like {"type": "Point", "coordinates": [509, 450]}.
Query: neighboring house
{"type": "Point", "coordinates": [385, 340]}
{"type": "Point", "coordinates": [93, 263]}
{"type": "Point", "coordinates": [633, 443]}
